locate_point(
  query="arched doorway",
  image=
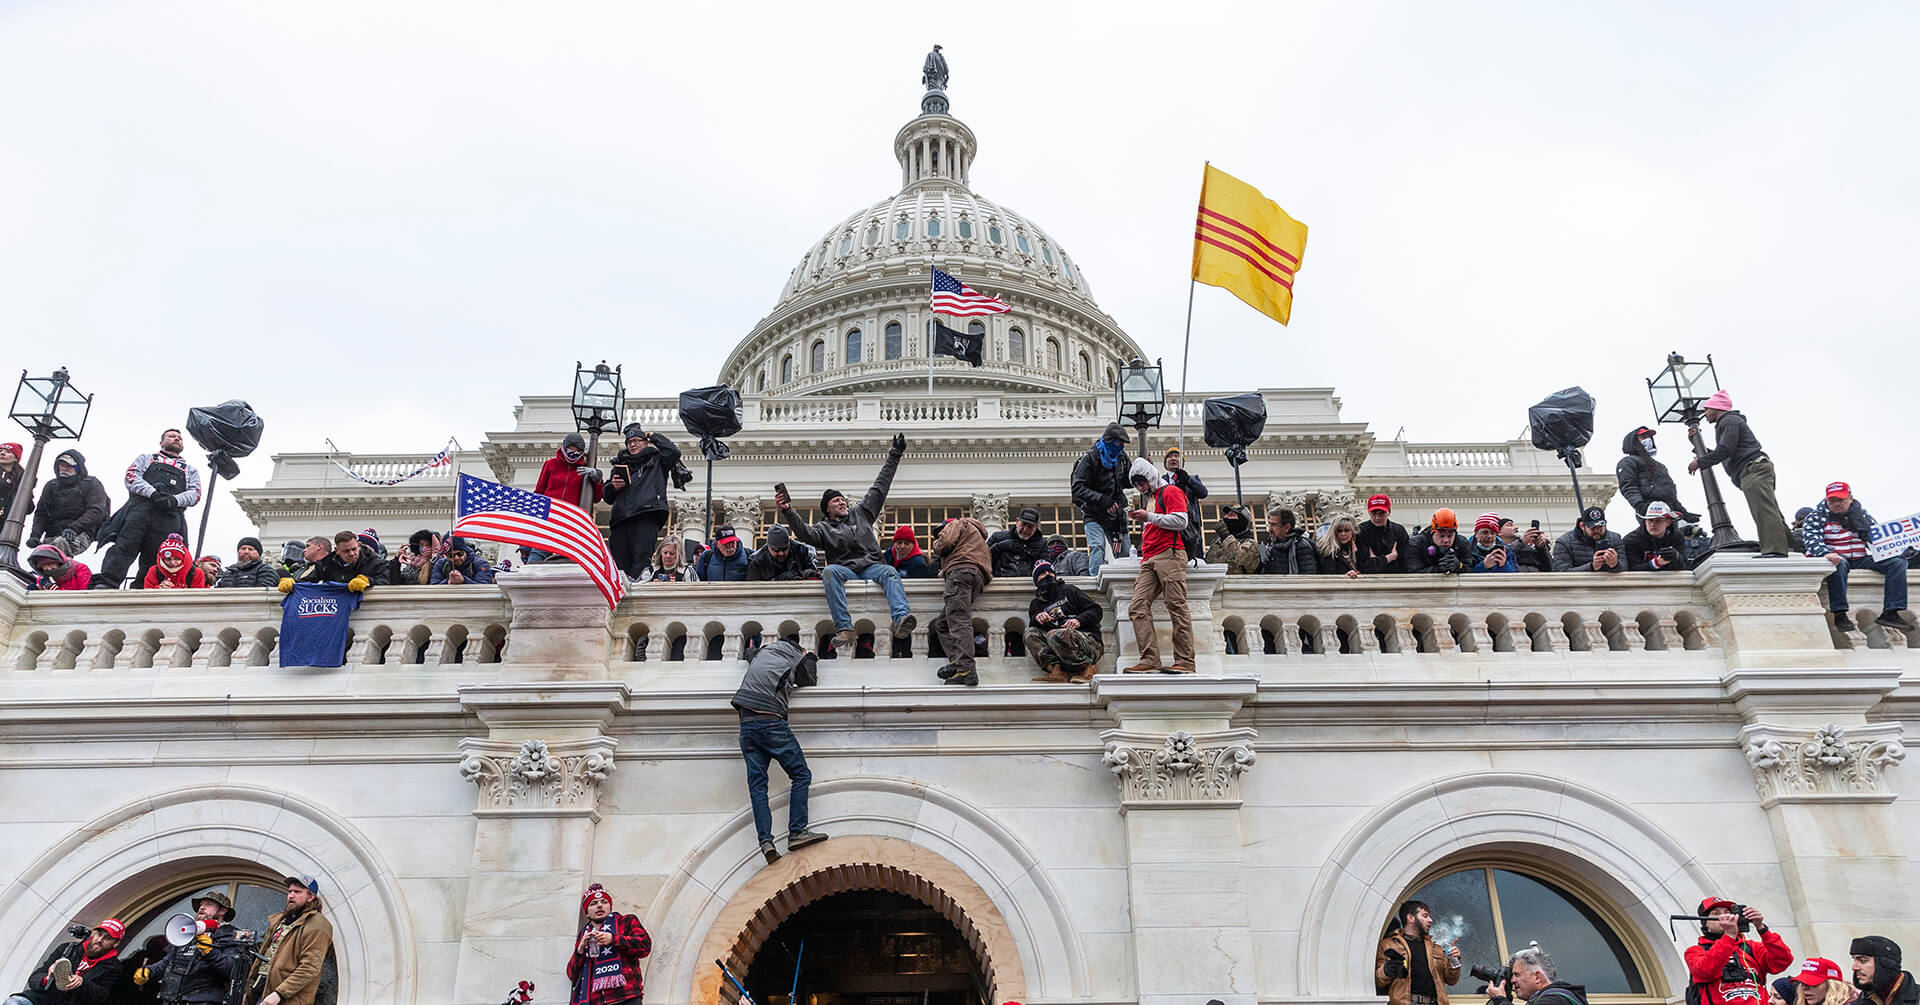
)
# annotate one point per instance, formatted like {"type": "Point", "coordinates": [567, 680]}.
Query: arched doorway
{"type": "Point", "coordinates": [870, 919]}
{"type": "Point", "coordinates": [873, 947]}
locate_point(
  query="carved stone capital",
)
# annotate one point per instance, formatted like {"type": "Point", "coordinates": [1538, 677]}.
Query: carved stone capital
{"type": "Point", "coordinates": [990, 508]}
{"type": "Point", "coordinates": [743, 514]}
{"type": "Point", "coordinates": [1825, 765]}
{"type": "Point", "coordinates": [538, 779]}
{"type": "Point", "coordinates": [689, 515]}
{"type": "Point", "coordinates": [1178, 769]}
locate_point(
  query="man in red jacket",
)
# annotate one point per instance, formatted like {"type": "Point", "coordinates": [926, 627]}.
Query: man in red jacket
{"type": "Point", "coordinates": [1163, 571]}
{"type": "Point", "coordinates": [1726, 969]}
{"type": "Point", "coordinates": [605, 967]}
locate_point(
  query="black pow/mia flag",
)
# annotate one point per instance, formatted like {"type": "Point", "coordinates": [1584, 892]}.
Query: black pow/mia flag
{"type": "Point", "coordinates": [959, 345]}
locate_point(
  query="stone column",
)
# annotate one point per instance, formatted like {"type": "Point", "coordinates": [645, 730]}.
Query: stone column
{"type": "Point", "coordinates": [1116, 582]}
{"type": "Point", "coordinates": [1178, 762]}
{"type": "Point", "coordinates": [743, 513]}
{"type": "Point", "coordinates": [990, 508]}
{"type": "Point", "coordinates": [539, 772]}
{"type": "Point", "coordinates": [689, 516]}
{"type": "Point", "coordinates": [560, 628]}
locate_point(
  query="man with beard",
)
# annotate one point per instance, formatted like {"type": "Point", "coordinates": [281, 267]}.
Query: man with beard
{"type": "Point", "coordinates": [1877, 973]}
{"type": "Point", "coordinates": [1410, 968]}
{"type": "Point", "coordinates": [605, 967]}
{"type": "Point", "coordinates": [844, 536]}
{"type": "Point", "coordinates": [202, 971]}
{"type": "Point", "coordinates": [350, 562]}
{"type": "Point", "coordinates": [1063, 636]}
{"type": "Point", "coordinates": [249, 569]}
{"type": "Point", "coordinates": [72, 506]}
{"type": "Point", "coordinates": [77, 972]}
{"type": "Point", "coordinates": [161, 486]}
{"type": "Point", "coordinates": [965, 560]}
{"type": "Point", "coordinates": [296, 947]}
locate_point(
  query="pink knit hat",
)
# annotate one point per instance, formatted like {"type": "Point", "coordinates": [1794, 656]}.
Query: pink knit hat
{"type": "Point", "coordinates": [1720, 401]}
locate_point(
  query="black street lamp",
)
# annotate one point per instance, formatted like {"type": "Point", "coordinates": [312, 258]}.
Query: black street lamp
{"type": "Point", "coordinates": [48, 408]}
{"type": "Point", "coordinates": [1141, 398]}
{"type": "Point", "coordinates": [599, 404]}
{"type": "Point", "coordinates": [1678, 392]}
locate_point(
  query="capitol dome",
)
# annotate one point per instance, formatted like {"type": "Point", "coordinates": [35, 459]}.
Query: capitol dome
{"type": "Point", "coordinates": [853, 315]}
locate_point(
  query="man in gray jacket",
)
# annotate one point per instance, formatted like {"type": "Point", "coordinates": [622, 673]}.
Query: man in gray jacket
{"type": "Point", "coordinates": [773, 673]}
{"type": "Point", "coordinates": [1738, 453]}
{"type": "Point", "coordinates": [851, 550]}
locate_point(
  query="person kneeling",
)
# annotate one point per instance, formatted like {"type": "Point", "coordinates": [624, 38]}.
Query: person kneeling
{"type": "Point", "coordinates": [1064, 637]}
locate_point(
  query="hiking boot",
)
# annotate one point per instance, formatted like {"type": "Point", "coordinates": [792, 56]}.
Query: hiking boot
{"type": "Point", "coordinates": [1080, 675]}
{"type": "Point", "coordinates": [904, 627]}
{"type": "Point", "coordinates": [1141, 668]}
{"type": "Point", "coordinates": [843, 642]}
{"type": "Point", "coordinates": [800, 839]}
{"type": "Point", "coordinates": [969, 679]}
{"type": "Point", "coordinates": [1055, 674]}
{"type": "Point", "coordinates": [772, 853]}
{"type": "Point", "coordinates": [1178, 668]}
{"type": "Point", "coordinates": [1893, 619]}
{"type": "Point", "coordinates": [948, 672]}
{"type": "Point", "coordinates": [1843, 623]}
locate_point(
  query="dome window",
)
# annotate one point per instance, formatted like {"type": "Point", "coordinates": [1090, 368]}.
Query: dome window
{"type": "Point", "coordinates": [1046, 252]}
{"type": "Point", "coordinates": [892, 343]}
{"type": "Point", "coordinates": [820, 256]}
{"type": "Point", "coordinates": [760, 381]}
{"type": "Point", "coordinates": [933, 226]}
{"type": "Point", "coordinates": [1053, 355]}
{"type": "Point", "coordinates": [1067, 264]}
{"type": "Point", "coordinates": [1020, 241]}
{"type": "Point", "coordinates": [818, 358]}
{"type": "Point", "coordinates": [853, 347]}
{"type": "Point", "coordinates": [993, 233]}
{"type": "Point", "coordinates": [1085, 370]}
{"type": "Point", "coordinates": [873, 234]}
{"type": "Point", "coordinates": [786, 369]}
{"type": "Point", "coordinates": [903, 229]}
{"type": "Point", "coordinates": [1016, 345]}
{"type": "Point", "coordinates": [846, 245]}
{"type": "Point", "coordinates": [966, 229]}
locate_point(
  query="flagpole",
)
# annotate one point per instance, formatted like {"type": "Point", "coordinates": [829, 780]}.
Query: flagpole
{"type": "Point", "coordinates": [1186, 342]}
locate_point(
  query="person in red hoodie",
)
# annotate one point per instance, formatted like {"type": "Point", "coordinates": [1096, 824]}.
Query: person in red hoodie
{"type": "Point", "coordinates": [605, 967]}
{"type": "Point", "coordinates": [565, 477]}
{"type": "Point", "coordinates": [174, 568]}
{"type": "Point", "coordinates": [1726, 969]}
{"type": "Point", "coordinates": [55, 571]}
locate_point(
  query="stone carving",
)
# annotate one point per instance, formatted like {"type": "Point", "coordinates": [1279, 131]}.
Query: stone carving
{"type": "Point", "coordinates": [1182, 769]}
{"type": "Point", "coordinates": [990, 508]}
{"type": "Point", "coordinates": [743, 513]}
{"type": "Point", "coordinates": [561, 779]}
{"type": "Point", "coordinates": [1824, 765]}
{"type": "Point", "coordinates": [687, 515]}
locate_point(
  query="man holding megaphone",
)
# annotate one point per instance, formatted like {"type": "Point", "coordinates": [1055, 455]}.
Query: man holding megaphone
{"type": "Point", "coordinates": [206, 956]}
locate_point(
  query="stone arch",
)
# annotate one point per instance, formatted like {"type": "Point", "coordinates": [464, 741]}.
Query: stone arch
{"type": "Point", "coordinates": [927, 835]}
{"type": "Point", "coordinates": [1637, 865]}
{"type": "Point", "coordinates": [99, 862]}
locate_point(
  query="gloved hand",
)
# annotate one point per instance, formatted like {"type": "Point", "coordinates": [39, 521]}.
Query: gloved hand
{"type": "Point", "coordinates": [899, 445]}
{"type": "Point", "coordinates": [203, 943]}
{"type": "Point", "coordinates": [161, 501]}
{"type": "Point", "coordinates": [286, 584]}
{"type": "Point", "coordinates": [1396, 966]}
{"type": "Point", "coordinates": [357, 584]}
{"type": "Point", "coordinates": [1449, 562]}
{"type": "Point", "coordinates": [592, 475]}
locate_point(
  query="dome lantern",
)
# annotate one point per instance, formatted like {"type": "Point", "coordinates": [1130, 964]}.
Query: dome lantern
{"type": "Point", "coordinates": [935, 150]}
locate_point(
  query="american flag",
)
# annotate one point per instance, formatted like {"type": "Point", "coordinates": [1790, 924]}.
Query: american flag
{"type": "Point", "coordinates": [951, 296]}
{"type": "Point", "coordinates": [491, 511]}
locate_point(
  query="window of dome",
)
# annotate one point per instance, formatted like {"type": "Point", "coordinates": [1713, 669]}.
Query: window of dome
{"type": "Point", "coordinates": [903, 229]}
{"type": "Point", "coordinates": [820, 256]}
{"type": "Point", "coordinates": [1494, 912]}
{"type": "Point", "coordinates": [786, 369]}
{"type": "Point", "coordinates": [1046, 252]}
{"type": "Point", "coordinates": [933, 226]}
{"type": "Point", "coordinates": [853, 347]}
{"type": "Point", "coordinates": [817, 361]}
{"type": "Point", "coordinates": [1016, 345]}
{"type": "Point", "coordinates": [873, 234]}
{"type": "Point", "coordinates": [993, 233]}
{"type": "Point", "coordinates": [1067, 264]}
{"type": "Point", "coordinates": [976, 328]}
{"type": "Point", "coordinates": [893, 339]}
{"type": "Point", "coordinates": [1113, 380]}
{"type": "Point", "coordinates": [1085, 370]}
{"type": "Point", "coordinates": [1020, 241]}
{"type": "Point", "coordinates": [760, 381]}
{"type": "Point", "coordinates": [966, 229]}
{"type": "Point", "coordinates": [1053, 355]}
{"type": "Point", "coordinates": [846, 245]}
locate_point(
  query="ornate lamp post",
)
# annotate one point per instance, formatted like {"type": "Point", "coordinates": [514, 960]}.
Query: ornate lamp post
{"type": "Point", "coordinates": [599, 404]}
{"type": "Point", "coordinates": [48, 408]}
{"type": "Point", "coordinates": [1141, 398]}
{"type": "Point", "coordinates": [1678, 393]}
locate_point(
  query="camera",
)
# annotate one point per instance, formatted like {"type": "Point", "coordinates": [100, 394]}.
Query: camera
{"type": "Point", "coordinates": [1396, 966]}
{"type": "Point", "coordinates": [1502, 975]}
{"type": "Point", "coordinates": [79, 931]}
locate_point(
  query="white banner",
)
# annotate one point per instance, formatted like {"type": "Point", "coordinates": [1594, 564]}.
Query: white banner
{"type": "Point", "coordinates": [1893, 538]}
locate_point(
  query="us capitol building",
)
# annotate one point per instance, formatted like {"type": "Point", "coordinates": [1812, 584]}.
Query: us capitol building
{"type": "Point", "coordinates": [1563, 759]}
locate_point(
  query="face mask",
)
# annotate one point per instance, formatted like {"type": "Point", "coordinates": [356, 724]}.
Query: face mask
{"type": "Point", "coordinates": [1049, 587]}
{"type": "Point", "coordinates": [1647, 445]}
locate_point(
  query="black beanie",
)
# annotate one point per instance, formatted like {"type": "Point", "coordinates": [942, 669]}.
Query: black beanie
{"type": "Point", "coordinates": [633, 429]}
{"type": "Point", "coordinates": [828, 496]}
{"type": "Point", "coordinates": [1886, 958]}
{"type": "Point", "coordinates": [252, 542]}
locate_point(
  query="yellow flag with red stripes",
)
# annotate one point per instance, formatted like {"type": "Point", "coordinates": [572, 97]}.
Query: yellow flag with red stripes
{"type": "Point", "coordinates": [1244, 243]}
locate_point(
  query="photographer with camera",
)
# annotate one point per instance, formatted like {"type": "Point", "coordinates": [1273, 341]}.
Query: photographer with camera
{"type": "Point", "coordinates": [84, 970]}
{"type": "Point", "coordinates": [1727, 969]}
{"type": "Point", "coordinates": [1530, 977]}
{"type": "Point", "coordinates": [1409, 968]}
{"type": "Point", "coordinates": [203, 969]}
{"type": "Point", "coordinates": [1657, 544]}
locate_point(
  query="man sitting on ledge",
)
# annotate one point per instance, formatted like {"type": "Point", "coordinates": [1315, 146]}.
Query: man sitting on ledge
{"type": "Point", "coordinates": [852, 550]}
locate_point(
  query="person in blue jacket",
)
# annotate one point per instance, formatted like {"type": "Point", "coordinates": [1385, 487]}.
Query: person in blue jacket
{"type": "Point", "coordinates": [462, 565]}
{"type": "Point", "coordinates": [1490, 554]}
{"type": "Point", "coordinates": [725, 562]}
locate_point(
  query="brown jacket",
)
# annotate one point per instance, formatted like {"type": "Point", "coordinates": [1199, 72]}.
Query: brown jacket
{"type": "Point", "coordinates": [1400, 989]}
{"type": "Point", "coordinates": [964, 541]}
{"type": "Point", "coordinates": [295, 970]}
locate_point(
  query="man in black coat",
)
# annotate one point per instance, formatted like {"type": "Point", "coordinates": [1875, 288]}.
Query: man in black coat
{"type": "Point", "coordinates": [1063, 630]}
{"type": "Point", "coordinates": [202, 971]}
{"type": "Point", "coordinates": [637, 490]}
{"type": "Point", "coordinates": [82, 972]}
{"type": "Point", "coordinates": [249, 568]}
{"type": "Point", "coordinates": [1440, 548]}
{"type": "Point", "coordinates": [1589, 546]}
{"type": "Point", "coordinates": [1017, 548]}
{"type": "Point", "coordinates": [1287, 551]}
{"type": "Point", "coordinates": [1657, 544]}
{"type": "Point", "coordinates": [1379, 544]}
{"type": "Point", "coordinates": [781, 560]}
{"type": "Point", "coordinates": [161, 487]}
{"type": "Point", "coordinates": [1644, 480]}
{"type": "Point", "coordinates": [1739, 454]}
{"type": "Point", "coordinates": [72, 506]}
{"type": "Point", "coordinates": [1100, 491]}
{"type": "Point", "coordinates": [351, 562]}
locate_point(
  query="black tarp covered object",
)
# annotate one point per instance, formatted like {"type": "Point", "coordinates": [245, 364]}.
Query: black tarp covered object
{"type": "Point", "coordinates": [1233, 422]}
{"type": "Point", "coordinates": [1563, 420]}
{"type": "Point", "coordinates": [711, 413]}
{"type": "Point", "coordinates": [225, 431]}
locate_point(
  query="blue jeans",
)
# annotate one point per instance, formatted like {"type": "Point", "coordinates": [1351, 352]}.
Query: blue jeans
{"type": "Point", "coordinates": [762, 740]}
{"type": "Point", "coordinates": [1097, 544]}
{"type": "Point", "coordinates": [1895, 569]}
{"type": "Point", "coordinates": [886, 575]}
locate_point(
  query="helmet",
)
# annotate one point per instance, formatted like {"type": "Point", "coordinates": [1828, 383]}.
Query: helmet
{"type": "Point", "coordinates": [1443, 519]}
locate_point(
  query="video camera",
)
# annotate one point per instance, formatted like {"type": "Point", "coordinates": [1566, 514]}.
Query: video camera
{"type": "Point", "coordinates": [1739, 912]}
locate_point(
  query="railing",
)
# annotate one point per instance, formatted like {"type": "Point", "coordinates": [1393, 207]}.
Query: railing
{"type": "Point", "coordinates": [1392, 458]}
{"type": "Point", "coordinates": [1027, 408]}
{"type": "Point", "coordinates": [806, 411]}
{"type": "Point", "coordinates": [654, 412]}
{"type": "Point", "coordinates": [1457, 457]}
{"type": "Point", "coordinates": [929, 409]}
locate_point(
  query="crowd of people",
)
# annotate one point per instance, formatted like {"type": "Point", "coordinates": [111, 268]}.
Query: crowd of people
{"type": "Point", "coordinates": [1415, 966]}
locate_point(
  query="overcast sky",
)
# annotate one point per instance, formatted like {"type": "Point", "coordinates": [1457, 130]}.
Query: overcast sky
{"type": "Point", "coordinates": [383, 223]}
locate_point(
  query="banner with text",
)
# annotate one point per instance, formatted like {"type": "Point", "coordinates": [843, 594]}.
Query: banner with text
{"type": "Point", "coordinates": [1892, 538]}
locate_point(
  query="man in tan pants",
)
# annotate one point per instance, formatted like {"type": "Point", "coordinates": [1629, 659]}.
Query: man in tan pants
{"type": "Point", "coordinates": [1163, 571]}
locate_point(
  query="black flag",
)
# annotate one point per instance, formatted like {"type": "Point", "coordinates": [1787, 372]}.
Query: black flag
{"type": "Point", "coordinates": [959, 345]}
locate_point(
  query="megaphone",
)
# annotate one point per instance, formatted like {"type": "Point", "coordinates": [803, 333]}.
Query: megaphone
{"type": "Point", "coordinates": [183, 928]}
